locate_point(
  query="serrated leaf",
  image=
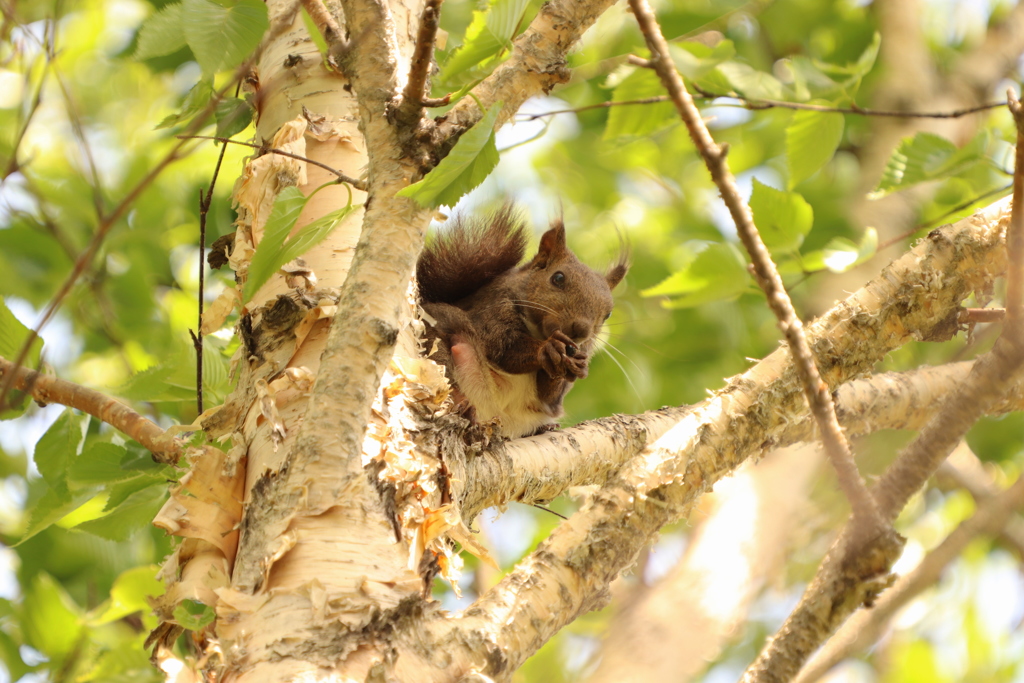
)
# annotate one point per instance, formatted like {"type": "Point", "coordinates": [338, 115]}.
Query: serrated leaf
{"type": "Point", "coordinates": [129, 517]}
{"type": "Point", "coordinates": [100, 463]}
{"type": "Point", "coordinates": [196, 100]}
{"type": "Point", "coordinates": [222, 37]}
{"type": "Point", "coordinates": [193, 615]}
{"type": "Point", "coordinates": [470, 161]}
{"type": "Point", "coordinates": [13, 334]}
{"type": "Point", "coordinates": [812, 138]}
{"type": "Point", "coordinates": [233, 116]}
{"type": "Point", "coordinates": [122, 491]}
{"type": "Point", "coordinates": [751, 83]}
{"type": "Point", "coordinates": [718, 273]}
{"type": "Point", "coordinates": [694, 60]}
{"type": "Point", "coordinates": [782, 218]}
{"type": "Point", "coordinates": [57, 448]}
{"type": "Point", "coordinates": [489, 32]}
{"type": "Point", "coordinates": [51, 620]}
{"type": "Point", "coordinates": [927, 156]}
{"type": "Point", "coordinates": [161, 34]}
{"type": "Point", "coordinates": [287, 206]}
{"type": "Point", "coordinates": [129, 595]}
{"type": "Point", "coordinates": [642, 119]}
{"type": "Point", "coordinates": [52, 507]}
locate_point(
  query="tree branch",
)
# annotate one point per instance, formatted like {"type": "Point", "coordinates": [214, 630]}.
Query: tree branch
{"type": "Point", "coordinates": [540, 468]}
{"type": "Point", "coordinates": [818, 395]}
{"type": "Point", "coordinates": [832, 596]}
{"type": "Point", "coordinates": [416, 89]}
{"type": "Point", "coordinates": [537, 65]}
{"type": "Point", "coordinates": [49, 389]}
{"type": "Point", "coordinates": [865, 628]}
{"type": "Point", "coordinates": [916, 297]}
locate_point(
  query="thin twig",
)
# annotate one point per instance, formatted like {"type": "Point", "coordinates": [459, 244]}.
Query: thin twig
{"type": "Point", "coordinates": [758, 104]}
{"type": "Point", "coordinates": [1015, 232]}
{"type": "Point", "coordinates": [819, 397]}
{"type": "Point", "coordinates": [197, 336]}
{"type": "Point", "coordinates": [37, 98]}
{"type": "Point", "coordinates": [416, 89]}
{"type": "Point", "coordinates": [49, 389]}
{"type": "Point", "coordinates": [599, 105]}
{"type": "Point", "coordinates": [356, 184]}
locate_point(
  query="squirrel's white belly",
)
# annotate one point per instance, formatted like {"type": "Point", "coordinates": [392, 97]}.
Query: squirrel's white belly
{"type": "Point", "coordinates": [511, 398]}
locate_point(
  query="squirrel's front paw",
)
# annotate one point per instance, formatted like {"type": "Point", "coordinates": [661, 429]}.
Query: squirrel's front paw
{"type": "Point", "coordinates": [552, 356]}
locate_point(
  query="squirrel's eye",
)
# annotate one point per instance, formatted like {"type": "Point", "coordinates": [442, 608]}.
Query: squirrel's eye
{"type": "Point", "coordinates": [558, 279]}
{"type": "Point", "coordinates": [607, 315]}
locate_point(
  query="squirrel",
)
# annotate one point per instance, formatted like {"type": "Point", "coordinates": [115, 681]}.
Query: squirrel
{"type": "Point", "coordinates": [513, 338]}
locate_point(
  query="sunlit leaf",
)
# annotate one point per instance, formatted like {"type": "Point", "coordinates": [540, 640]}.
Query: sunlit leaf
{"type": "Point", "coordinates": [637, 120]}
{"type": "Point", "coordinates": [927, 156]}
{"type": "Point", "coordinates": [718, 273]}
{"type": "Point", "coordinates": [50, 618]}
{"type": "Point", "coordinates": [130, 516]}
{"type": "Point", "coordinates": [287, 206]}
{"type": "Point", "coordinates": [58, 447]}
{"type": "Point", "coordinates": [811, 140]}
{"type": "Point", "coordinates": [129, 594]}
{"type": "Point", "coordinates": [470, 161]}
{"type": "Point", "coordinates": [161, 34]}
{"type": "Point", "coordinates": [196, 100]}
{"type": "Point", "coordinates": [490, 31]}
{"type": "Point", "coordinates": [841, 254]}
{"type": "Point", "coordinates": [222, 36]}
{"type": "Point", "coordinates": [782, 218]}
{"type": "Point", "coordinates": [193, 615]}
{"type": "Point", "coordinates": [314, 32]}
{"type": "Point", "coordinates": [233, 116]}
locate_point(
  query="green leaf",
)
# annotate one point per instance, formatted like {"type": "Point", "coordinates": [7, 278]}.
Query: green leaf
{"type": "Point", "coordinates": [695, 60]}
{"type": "Point", "coordinates": [10, 655]}
{"type": "Point", "coordinates": [233, 116]}
{"type": "Point", "coordinates": [128, 595]}
{"type": "Point", "coordinates": [927, 156]}
{"type": "Point", "coordinates": [311, 235]}
{"type": "Point", "coordinates": [57, 448]}
{"type": "Point", "coordinates": [314, 33]}
{"type": "Point", "coordinates": [287, 206]}
{"type": "Point", "coordinates": [220, 36]}
{"type": "Point", "coordinates": [13, 335]}
{"type": "Point", "coordinates": [52, 507]}
{"type": "Point", "coordinates": [129, 517]}
{"type": "Point", "coordinates": [119, 493]}
{"type": "Point", "coordinates": [196, 100]}
{"type": "Point", "coordinates": [718, 273]}
{"type": "Point", "coordinates": [751, 83]}
{"type": "Point", "coordinates": [99, 464]}
{"type": "Point", "coordinates": [488, 33]}
{"type": "Point", "coordinates": [470, 161]}
{"type": "Point", "coordinates": [51, 620]}
{"type": "Point", "coordinates": [161, 34]}
{"type": "Point", "coordinates": [782, 218]}
{"type": "Point", "coordinates": [811, 140]}
{"type": "Point", "coordinates": [639, 120]}
{"type": "Point", "coordinates": [193, 615]}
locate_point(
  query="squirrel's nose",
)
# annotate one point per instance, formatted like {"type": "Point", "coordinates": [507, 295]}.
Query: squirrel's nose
{"type": "Point", "coordinates": [580, 331]}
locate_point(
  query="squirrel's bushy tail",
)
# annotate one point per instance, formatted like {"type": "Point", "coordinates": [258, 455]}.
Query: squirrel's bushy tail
{"type": "Point", "coordinates": [470, 253]}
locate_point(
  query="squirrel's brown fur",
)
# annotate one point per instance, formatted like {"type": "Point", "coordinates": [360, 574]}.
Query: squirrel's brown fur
{"type": "Point", "coordinates": [513, 337]}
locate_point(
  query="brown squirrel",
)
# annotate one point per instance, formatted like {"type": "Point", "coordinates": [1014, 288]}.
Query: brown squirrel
{"type": "Point", "coordinates": [512, 337]}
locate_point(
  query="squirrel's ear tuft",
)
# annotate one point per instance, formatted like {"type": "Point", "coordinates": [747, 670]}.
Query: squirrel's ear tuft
{"type": "Point", "coordinates": [552, 245]}
{"type": "Point", "coordinates": [618, 271]}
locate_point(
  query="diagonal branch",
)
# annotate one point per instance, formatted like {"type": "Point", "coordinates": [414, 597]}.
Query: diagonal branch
{"type": "Point", "coordinates": [49, 389]}
{"type": "Point", "coordinates": [916, 297]}
{"type": "Point", "coordinates": [819, 396]}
